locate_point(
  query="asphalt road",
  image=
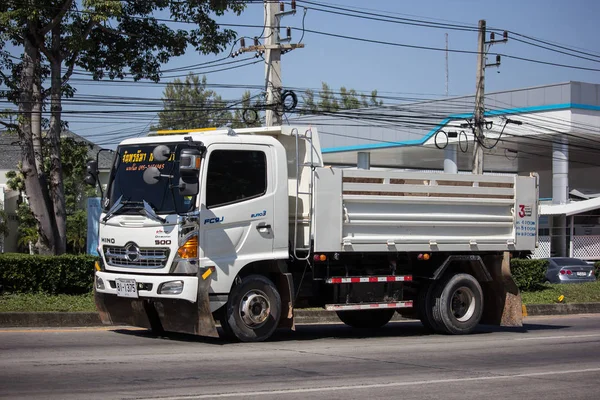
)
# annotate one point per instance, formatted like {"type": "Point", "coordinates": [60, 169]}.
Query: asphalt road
{"type": "Point", "coordinates": [550, 358]}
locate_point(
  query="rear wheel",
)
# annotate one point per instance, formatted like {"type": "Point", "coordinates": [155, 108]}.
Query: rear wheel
{"type": "Point", "coordinates": [425, 302]}
{"type": "Point", "coordinates": [365, 319]}
{"type": "Point", "coordinates": [458, 304]}
{"type": "Point", "coordinates": [253, 310]}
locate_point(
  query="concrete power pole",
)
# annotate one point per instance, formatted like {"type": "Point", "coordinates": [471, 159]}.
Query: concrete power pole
{"type": "Point", "coordinates": [272, 64]}
{"type": "Point", "coordinates": [273, 48]}
{"type": "Point", "coordinates": [451, 150]}
{"type": "Point", "coordinates": [479, 114]}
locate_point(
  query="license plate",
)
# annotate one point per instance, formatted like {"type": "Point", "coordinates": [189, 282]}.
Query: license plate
{"type": "Point", "coordinates": [581, 273]}
{"type": "Point", "coordinates": [126, 288]}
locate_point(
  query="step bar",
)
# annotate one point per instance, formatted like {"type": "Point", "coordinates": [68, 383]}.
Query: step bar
{"type": "Point", "coordinates": [368, 306]}
{"type": "Point", "coordinates": [369, 279]}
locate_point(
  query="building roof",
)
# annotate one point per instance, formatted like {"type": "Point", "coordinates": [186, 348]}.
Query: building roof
{"type": "Point", "coordinates": [573, 208]}
{"type": "Point", "coordinates": [11, 150]}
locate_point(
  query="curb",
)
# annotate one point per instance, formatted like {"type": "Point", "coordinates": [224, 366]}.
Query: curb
{"type": "Point", "coordinates": [87, 319]}
{"type": "Point", "coordinates": [49, 319]}
{"type": "Point", "coordinates": [561, 309]}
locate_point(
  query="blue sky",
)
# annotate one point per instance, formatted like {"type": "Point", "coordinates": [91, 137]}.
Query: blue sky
{"type": "Point", "coordinates": [392, 70]}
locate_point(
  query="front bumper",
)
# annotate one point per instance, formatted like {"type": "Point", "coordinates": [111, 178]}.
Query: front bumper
{"type": "Point", "coordinates": [188, 312]}
{"type": "Point", "coordinates": [189, 293]}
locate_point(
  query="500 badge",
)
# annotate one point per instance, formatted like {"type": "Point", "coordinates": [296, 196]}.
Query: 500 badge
{"type": "Point", "coordinates": [162, 242]}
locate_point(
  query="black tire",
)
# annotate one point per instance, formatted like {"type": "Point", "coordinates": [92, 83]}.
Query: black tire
{"type": "Point", "coordinates": [458, 304]}
{"type": "Point", "coordinates": [425, 303]}
{"type": "Point", "coordinates": [366, 319]}
{"type": "Point", "coordinates": [221, 315]}
{"type": "Point", "coordinates": [253, 310]}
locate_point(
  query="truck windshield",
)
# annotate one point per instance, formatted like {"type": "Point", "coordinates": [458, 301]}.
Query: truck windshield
{"type": "Point", "coordinates": [127, 180]}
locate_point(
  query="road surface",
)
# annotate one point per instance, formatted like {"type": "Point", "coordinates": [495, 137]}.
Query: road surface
{"type": "Point", "coordinates": [550, 358]}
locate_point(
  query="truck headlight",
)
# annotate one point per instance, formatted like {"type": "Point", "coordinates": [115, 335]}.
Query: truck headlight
{"type": "Point", "coordinates": [173, 287]}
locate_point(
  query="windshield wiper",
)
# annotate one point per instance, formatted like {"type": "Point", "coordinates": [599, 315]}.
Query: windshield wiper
{"type": "Point", "coordinates": [119, 205]}
{"type": "Point", "coordinates": [115, 207]}
{"type": "Point", "coordinates": [150, 213]}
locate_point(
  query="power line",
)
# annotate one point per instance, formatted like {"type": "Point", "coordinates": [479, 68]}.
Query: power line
{"type": "Point", "coordinates": [460, 27]}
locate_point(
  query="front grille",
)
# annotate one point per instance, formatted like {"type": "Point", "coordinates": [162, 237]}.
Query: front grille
{"type": "Point", "coordinates": [148, 257]}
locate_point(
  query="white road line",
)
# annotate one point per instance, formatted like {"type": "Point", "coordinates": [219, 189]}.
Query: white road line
{"type": "Point", "coordinates": [371, 386]}
{"type": "Point", "coordinates": [559, 337]}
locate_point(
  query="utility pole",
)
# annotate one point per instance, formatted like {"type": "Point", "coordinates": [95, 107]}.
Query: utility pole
{"type": "Point", "coordinates": [478, 115]}
{"type": "Point", "coordinates": [273, 49]}
{"type": "Point", "coordinates": [479, 101]}
{"type": "Point", "coordinates": [272, 64]}
{"type": "Point", "coordinates": [451, 150]}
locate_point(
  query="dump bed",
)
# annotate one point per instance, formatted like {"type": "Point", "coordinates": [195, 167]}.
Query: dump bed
{"type": "Point", "coordinates": [357, 210]}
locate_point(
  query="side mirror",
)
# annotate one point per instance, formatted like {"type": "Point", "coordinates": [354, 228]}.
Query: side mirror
{"type": "Point", "coordinates": [161, 153]}
{"type": "Point", "coordinates": [151, 175]}
{"type": "Point", "coordinates": [189, 171]}
{"type": "Point", "coordinates": [91, 173]}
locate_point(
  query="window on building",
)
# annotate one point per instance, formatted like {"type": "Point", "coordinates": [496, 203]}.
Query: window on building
{"type": "Point", "coordinates": [234, 176]}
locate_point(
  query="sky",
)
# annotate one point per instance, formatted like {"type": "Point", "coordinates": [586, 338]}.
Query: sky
{"type": "Point", "coordinates": [397, 72]}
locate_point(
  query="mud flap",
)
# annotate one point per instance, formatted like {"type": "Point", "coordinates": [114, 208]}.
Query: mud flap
{"type": "Point", "coordinates": [502, 303]}
{"type": "Point", "coordinates": [115, 310]}
{"type": "Point", "coordinates": [285, 286]}
{"type": "Point", "coordinates": [185, 317]}
{"type": "Point", "coordinates": [205, 323]}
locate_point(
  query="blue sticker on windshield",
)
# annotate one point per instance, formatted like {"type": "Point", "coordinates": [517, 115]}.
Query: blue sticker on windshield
{"type": "Point", "coordinates": [260, 214]}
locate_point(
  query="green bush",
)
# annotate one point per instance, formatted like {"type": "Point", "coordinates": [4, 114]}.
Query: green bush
{"type": "Point", "coordinates": [66, 274]}
{"type": "Point", "coordinates": [529, 275]}
{"type": "Point", "coordinates": [597, 269]}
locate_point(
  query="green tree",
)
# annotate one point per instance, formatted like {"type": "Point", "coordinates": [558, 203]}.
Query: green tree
{"type": "Point", "coordinates": [105, 37]}
{"type": "Point", "coordinates": [27, 232]}
{"type": "Point", "coordinates": [374, 100]}
{"type": "Point", "coordinates": [328, 101]}
{"type": "Point", "coordinates": [252, 110]}
{"type": "Point", "coordinates": [349, 99]}
{"type": "Point", "coordinates": [77, 232]}
{"type": "Point", "coordinates": [310, 107]}
{"type": "Point", "coordinates": [74, 156]}
{"type": "Point", "coordinates": [189, 104]}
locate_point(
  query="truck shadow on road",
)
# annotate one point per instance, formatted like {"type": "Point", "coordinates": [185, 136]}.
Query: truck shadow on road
{"type": "Point", "coordinates": [307, 332]}
{"type": "Point", "coordinates": [393, 329]}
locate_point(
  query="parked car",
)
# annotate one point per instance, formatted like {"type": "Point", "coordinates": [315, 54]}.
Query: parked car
{"type": "Point", "coordinates": [569, 270]}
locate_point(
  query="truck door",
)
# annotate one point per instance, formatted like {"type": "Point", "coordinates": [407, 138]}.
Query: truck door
{"type": "Point", "coordinates": [236, 217]}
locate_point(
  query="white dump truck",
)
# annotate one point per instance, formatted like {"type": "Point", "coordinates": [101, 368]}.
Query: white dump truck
{"type": "Point", "coordinates": [245, 226]}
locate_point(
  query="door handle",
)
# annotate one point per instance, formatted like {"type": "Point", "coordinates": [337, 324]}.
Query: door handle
{"type": "Point", "coordinates": [266, 226]}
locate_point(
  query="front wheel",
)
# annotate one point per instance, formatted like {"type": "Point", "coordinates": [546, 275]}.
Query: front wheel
{"type": "Point", "coordinates": [253, 310]}
{"type": "Point", "coordinates": [367, 319]}
{"type": "Point", "coordinates": [458, 304]}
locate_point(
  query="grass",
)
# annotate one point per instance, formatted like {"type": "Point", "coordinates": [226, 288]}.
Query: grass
{"type": "Point", "coordinates": [548, 294]}
{"type": "Point", "coordinates": [46, 303]}
{"type": "Point", "coordinates": [573, 293]}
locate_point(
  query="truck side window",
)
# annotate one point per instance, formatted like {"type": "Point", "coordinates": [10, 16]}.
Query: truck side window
{"type": "Point", "coordinates": [234, 176]}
